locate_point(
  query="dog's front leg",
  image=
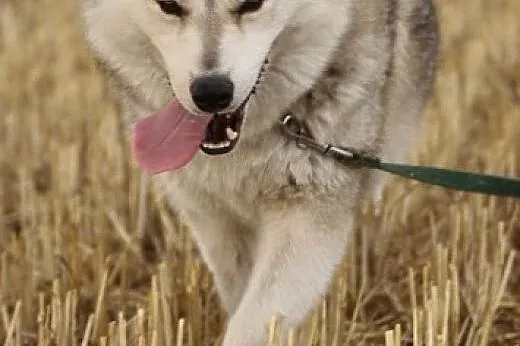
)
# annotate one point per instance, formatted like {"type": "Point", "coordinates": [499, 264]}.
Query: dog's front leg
{"type": "Point", "coordinates": [297, 251]}
{"type": "Point", "coordinates": [225, 245]}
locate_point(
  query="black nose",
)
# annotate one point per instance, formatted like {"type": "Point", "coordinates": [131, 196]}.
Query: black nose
{"type": "Point", "coordinates": [212, 93]}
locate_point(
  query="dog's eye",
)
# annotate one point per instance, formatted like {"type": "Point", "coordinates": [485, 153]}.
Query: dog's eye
{"type": "Point", "coordinates": [171, 7]}
{"type": "Point", "coordinates": [249, 6]}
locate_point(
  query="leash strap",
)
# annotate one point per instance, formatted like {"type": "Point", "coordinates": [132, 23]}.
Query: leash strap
{"type": "Point", "coordinates": [452, 179]}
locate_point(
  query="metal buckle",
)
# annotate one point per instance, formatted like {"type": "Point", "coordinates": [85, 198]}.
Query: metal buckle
{"type": "Point", "coordinates": [293, 129]}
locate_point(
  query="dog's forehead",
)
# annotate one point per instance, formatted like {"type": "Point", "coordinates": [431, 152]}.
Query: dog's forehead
{"type": "Point", "coordinates": [222, 3]}
{"type": "Point", "coordinates": [212, 6]}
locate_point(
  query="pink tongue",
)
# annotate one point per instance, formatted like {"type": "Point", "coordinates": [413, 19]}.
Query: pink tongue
{"type": "Point", "coordinates": [168, 139]}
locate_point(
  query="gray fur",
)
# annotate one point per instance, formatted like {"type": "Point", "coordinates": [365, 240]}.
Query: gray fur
{"type": "Point", "coordinates": [272, 221]}
{"type": "Point", "coordinates": [212, 37]}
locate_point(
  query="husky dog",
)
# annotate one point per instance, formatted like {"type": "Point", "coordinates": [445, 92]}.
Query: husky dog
{"type": "Point", "coordinates": [203, 84]}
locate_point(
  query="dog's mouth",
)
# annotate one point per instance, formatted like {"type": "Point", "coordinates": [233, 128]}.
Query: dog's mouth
{"type": "Point", "coordinates": [223, 131]}
{"type": "Point", "coordinates": [170, 138]}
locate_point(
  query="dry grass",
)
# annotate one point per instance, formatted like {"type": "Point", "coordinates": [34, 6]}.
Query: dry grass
{"type": "Point", "coordinates": [90, 255]}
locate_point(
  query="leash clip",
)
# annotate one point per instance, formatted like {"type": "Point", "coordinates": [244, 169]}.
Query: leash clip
{"type": "Point", "coordinates": [293, 129]}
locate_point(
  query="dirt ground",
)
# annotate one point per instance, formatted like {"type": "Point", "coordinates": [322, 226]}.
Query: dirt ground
{"type": "Point", "coordinates": [89, 254]}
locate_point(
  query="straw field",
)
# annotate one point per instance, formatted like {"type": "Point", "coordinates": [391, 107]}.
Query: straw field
{"type": "Point", "coordinates": [91, 255]}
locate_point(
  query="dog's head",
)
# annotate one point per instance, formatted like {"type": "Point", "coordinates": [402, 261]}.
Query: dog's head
{"type": "Point", "coordinates": [214, 52]}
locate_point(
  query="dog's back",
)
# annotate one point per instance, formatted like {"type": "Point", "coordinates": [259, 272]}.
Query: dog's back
{"type": "Point", "coordinates": [414, 61]}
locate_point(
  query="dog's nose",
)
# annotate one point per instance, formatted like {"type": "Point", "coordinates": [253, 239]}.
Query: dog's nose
{"type": "Point", "coordinates": [213, 93]}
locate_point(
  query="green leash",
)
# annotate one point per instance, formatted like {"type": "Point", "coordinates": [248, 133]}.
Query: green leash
{"type": "Point", "coordinates": [452, 179]}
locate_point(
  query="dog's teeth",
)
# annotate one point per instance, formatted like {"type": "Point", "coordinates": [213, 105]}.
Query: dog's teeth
{"type": "Point", "coordinates": [231, 134]}
{"type": "Point", "coordinates": [220, 145]}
